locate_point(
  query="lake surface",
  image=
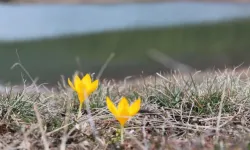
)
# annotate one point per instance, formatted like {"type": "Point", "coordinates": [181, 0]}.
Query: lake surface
{"type": "Point", "coordinates": [202, 35]}
{"type": "Point", "coordinates": [21, 22]}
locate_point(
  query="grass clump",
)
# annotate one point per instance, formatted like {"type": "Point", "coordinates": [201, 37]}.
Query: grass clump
{"type": "Point", "coordinates": [206, 110]}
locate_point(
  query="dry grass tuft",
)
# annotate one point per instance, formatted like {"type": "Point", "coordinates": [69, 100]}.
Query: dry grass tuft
{"type": "Point", "coordinates": [205, 110]}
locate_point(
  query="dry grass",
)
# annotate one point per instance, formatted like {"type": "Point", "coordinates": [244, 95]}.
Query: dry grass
{"type": "Point", "coordinates": [206, 110]}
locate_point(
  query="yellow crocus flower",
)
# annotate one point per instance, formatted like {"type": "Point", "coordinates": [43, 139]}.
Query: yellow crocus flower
{"type": "Point", "coordinates": [83, 88]}
{"type": "Point", "coordinates": [123, 111]}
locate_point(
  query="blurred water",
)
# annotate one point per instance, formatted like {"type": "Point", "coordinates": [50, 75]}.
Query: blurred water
{"type": "Point", "coordinates": [20, 22]}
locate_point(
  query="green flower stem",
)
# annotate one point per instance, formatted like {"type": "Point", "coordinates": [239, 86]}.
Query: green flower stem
{"type": "Point", "coordinates": [122, 136]}
{"type": "Point", "coordinates": [79, 111]}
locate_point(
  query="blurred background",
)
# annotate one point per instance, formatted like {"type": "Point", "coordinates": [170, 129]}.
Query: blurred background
{"type": "Point", "coordinates": [58, 37]}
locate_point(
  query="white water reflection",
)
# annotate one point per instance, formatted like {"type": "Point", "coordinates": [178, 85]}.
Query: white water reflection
{"type": "Point", "coordinates": [19, 22]}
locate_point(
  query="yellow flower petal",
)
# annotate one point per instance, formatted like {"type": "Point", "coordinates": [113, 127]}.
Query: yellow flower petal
{"type": "Point", "coordinates": [111, 106]}
{"type": "Point", "coordinates": [94, 86]}
{"type": "Point", "coordinates": [81, 97]}
{"type": "Point", "coordinates": [123, 110]}
{"type": "Point", "coordinates": [77, 80]}
{"type": "Point", "coordinates": [86, 80]}
{"type": "Point", "coordinates": [134, 107]}
{"type": "Point", "coordinates": [122, 120]}
{"type": "Point", "coordinates": [80, 87]}
{"type": "Point", "coordinates": [123, 104]}
{"type": "Point", "coordinates": [71, 84]}
{"type": "Point", "coordinates": [123, 116]}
